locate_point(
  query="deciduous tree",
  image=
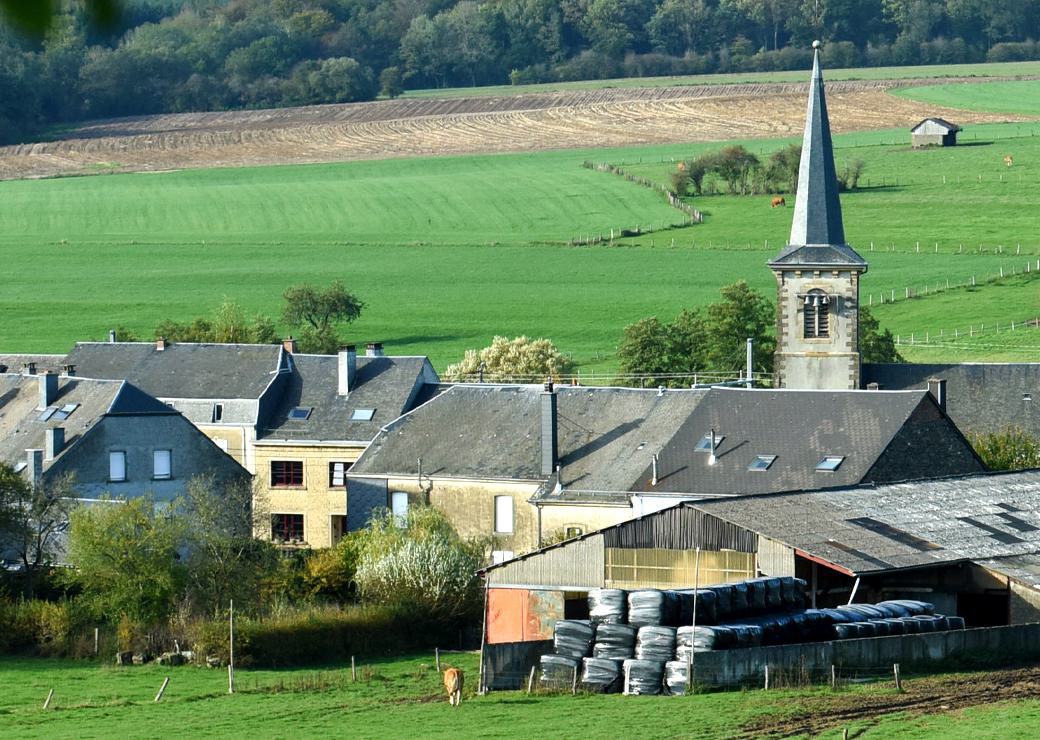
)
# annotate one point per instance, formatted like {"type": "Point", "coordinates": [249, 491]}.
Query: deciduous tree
{"type": "Point", "coordinates": [32, 519]}
{"type": "Point", "coordinates": [520, 359]}
{"type": "Point", "coordinates": [316, 310]}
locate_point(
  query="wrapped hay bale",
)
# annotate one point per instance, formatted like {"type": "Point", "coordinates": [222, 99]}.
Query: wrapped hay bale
{"type": "Point", "coordinates": [756, 597]}
{"type": "Point", "coordinates": [573, 638]}
{"type": "Point", "coordinates": [608, 606]}
{"type": "Point", "coordinates": [652, 607]}
{"type": "Point", "coordinates": [916, 608]}
{"type": "Point", "coordinates": [723, 602]}
{"type": "Point", "coordinates": [655, 643]}
{"type": "Point", "coordinates": [675, 675]}
{"type": "Point", "coordinates": [557, 672]}
{"type": "Point", "coordinates": [643, 676]}
{"type": "Point", "coordinates": [601, 675]}
{"type": "Point", "coordinates": [794, 592]}
{"type": "Point", "coordinates": [614, 641]}
{"type": "Point", "coordinates": [699, 639]}
{"type": "Point", "coordinates": [703, 600]}
{"type": "Point", "coordinates": [774, 594]}
{"type": "Point", "coordinates": [955, 623]}
{"type": "Point", "coordinates": [739, 606]}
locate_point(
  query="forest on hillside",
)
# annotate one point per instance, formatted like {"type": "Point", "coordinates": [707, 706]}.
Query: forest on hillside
{"type": "Point", "coordinates": [193, 55]}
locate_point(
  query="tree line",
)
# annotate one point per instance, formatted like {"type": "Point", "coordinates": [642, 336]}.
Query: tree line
{"type": "Point", "coordinates": [155, 56]}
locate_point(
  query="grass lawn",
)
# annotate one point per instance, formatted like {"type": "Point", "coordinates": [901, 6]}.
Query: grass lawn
{"type": "Point", "coordinates": [448, 252]}
{"type": "Point", "coordinates": [404, 698]}
{"type": "Point", "coordinates": [1002, 69]}
{"type": "Point", "coordinates": [997, 97]}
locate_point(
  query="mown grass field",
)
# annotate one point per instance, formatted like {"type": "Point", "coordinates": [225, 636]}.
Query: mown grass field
{"type": "Point", "coordinates": [448, 252]}
{"type": "Point", "coordinates": [991, 69]}
{"type": "Point", "coordinates": [403, 698]}
{"type": "Point", "coordinates": [998, 97]}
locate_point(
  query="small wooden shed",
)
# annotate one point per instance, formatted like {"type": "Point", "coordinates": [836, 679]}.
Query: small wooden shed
{"type": "Point", "coordinates": [934, 132]}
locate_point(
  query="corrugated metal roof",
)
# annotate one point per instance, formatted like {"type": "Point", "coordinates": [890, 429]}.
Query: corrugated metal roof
{"type": "Point", "coordinates": [903, 525]}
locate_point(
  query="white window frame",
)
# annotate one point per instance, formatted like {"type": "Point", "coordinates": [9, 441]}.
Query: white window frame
{"type": "Point", "coordinates": [338, 473]}
{"type": "Point", "coordinates": [157, 456]}
{"type": "Point", "coordinates": [399, 508]}
{"type": "Point", "coordinates": [501, 556]}
{"type": "Point", "coordinates": [504, 515]}
{"type": "Point", "coordinates": [113, 466]}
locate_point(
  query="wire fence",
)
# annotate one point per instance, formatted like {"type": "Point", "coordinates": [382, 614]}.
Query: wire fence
{"type": "Point", "coordinates": [953, 338]}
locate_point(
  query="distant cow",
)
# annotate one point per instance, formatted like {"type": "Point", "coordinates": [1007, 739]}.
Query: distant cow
{"type": "Point", "coordinates": [453, 685]}
{"type": "Point", "coordinates": [1009, 160]}
{"type": "Point", "coordinates": [779, 202]}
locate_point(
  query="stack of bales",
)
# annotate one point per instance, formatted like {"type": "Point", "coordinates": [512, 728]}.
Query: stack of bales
{"type": "Point", "coordinates": [643, 641]}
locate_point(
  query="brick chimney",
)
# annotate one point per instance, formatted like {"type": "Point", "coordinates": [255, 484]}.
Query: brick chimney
{"type": "Point", "coordinates": [160, 344]}
{"type": "Point", "coordinates": [937, 387]}
{"type": "Point", "coordinates": [34, 471]}
{"type": "Point", "coordinates": [48, 389]}
{"type": "Point", "coordinates": [289, 345]}
{"type": "Point", "coordinates": [347, 369]}
{"type": "Point", "coordinates": [54, 441]}
{"type": "Point", "coordinates": [550, 449]}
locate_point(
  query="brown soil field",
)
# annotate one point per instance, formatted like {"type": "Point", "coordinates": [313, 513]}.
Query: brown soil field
{"type": "Point", "coordinates": [927, 695]}
{"type": "Point", "coordinates": [428, 127]}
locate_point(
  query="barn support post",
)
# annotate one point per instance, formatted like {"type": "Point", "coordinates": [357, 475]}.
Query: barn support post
{"type": "Point", "coordinates": [482, 678]}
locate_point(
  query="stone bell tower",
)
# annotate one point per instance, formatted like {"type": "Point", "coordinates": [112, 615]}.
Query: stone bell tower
{"type": "Point", "coordinates": [817, 274]}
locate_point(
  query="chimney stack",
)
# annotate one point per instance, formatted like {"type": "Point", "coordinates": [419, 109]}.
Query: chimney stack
{"type": "Point", "coordinates": [289, 345]}
{"type": "Point", "coordinates": [48, 389]}
{"type": "Point", "coordinates": [375, 349]}
{"type": "Point", "coordinates": [937, 387]}
{"type": "Point", "coordinates": [54, 441]}
{"type": "Point", "coordinates": [160, 344]}
{"type": "Point", "coordinates": [111, 336]}
{"type": "Point", "coordinates": [347, 369]}
{"type": "Point", "coordinates": [70, 370]}
{"type": "Point", "coordinates": [550, 450]}
{"type": "Point", "coordinates": [873, 386]}
{"type": "Point", "coordinates": [714, 445]}
{"type": "Point", "coordinates": [30, 368]}
{"type": "Point", "coordinates": [34, 471]}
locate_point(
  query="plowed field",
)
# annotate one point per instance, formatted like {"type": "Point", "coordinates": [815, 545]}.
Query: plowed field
{"type": "Point", "coordinates": [411, 127]}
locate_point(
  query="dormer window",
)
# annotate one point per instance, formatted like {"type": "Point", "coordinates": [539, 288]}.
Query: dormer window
{"type": "Point", "coordinates": [816, 312]}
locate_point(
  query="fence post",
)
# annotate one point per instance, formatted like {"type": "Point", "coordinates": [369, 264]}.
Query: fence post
{"type": "Point", "coordinates": [899, 682]}
{"type": "Point", "coordinates": [765, 670]}
{"type": "Point", "coordinates": [437, 658]}
{"type": "Point", "coordinates": [95, 641]}
{"type": "Point", "coordinates": [47, 701]}
{"type": "Point", "coordinates": [162, 689]}
{"type": "Point", "coordinates": [834, 676]}
{"type": "Point", "coordinates": [353, 669]}
{"type": "Point", "coordinates": [574, 682]}
{"type": "Point", "coordinates": [530, 681]}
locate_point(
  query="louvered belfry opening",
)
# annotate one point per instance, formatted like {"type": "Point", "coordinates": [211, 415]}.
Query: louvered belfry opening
{"type": "Point", "coordinates": [816, 322]}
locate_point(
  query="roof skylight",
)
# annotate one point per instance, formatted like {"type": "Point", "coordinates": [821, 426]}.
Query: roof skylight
{"type": "Point", "coordinates": [300, 413]}
{"type": "Point", "coordinates": [830, 463]}
{"type": "Point", "coordinates": [362, 414]}
{"type": "Point", "coordinates": [762, 463]}
{"type": "Point", "coordinates": [704, 445]}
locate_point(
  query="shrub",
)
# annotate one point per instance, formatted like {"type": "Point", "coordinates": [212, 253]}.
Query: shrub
{"type": "Point", "coordinates": [37, 627]}
{"type": "Point", "coordinates": [1010, 449]}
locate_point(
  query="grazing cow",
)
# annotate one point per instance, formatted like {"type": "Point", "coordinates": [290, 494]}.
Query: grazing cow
{"type": "Point", "coordinates": [778, 202]}
{"type": "Point", "coordinates": [1009, 160]}
{"type": "Point", "coordinates": [453, 685]}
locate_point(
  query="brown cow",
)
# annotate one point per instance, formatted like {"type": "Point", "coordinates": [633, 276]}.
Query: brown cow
{"type": "Point", "coordinates": [453, 685]}
{"type": "Point", "coordinates": [779, 201]}
{"type": "Point", "coordinates": [1009, 160]}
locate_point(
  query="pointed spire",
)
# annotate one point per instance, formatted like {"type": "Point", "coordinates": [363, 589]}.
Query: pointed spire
{"type": "Point", "coordinates": [817, 209]}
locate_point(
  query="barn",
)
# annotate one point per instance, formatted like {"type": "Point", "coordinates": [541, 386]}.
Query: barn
{"type": "Point", "coordinates": [970, 545]}
{"type": "Point", "coordinates": [934, 132]}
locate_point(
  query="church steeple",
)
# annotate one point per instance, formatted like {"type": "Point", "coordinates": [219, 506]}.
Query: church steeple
{"type": "Point", "coordinates": [817, 274]}
{"type": "Point", "coordinates": [817, 232]}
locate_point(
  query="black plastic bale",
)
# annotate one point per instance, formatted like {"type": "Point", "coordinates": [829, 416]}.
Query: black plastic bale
{"type": "Point", "coordinates": [675, 677]}
{"type": "Point", "coordinates": [701, 639]}
{"type": "Point", "coordinates": [703, 600]}
{"type": "Point", "coordinates": [557, 671]}
{"type": "Point", "coordinates": [651, 607]}
{"type": "Point", "coordinates": [756, 597]}
{"type": "Point", "coordinates": [655, 643]}
{"type": "Point", "coordinates": [602, 675]}
{"type": "Point", "coordinates": [644, 677]}
{"type": "Point", "coordinates": [739, 600]}
{"type": "Point", "coordinates": [608, 606]}
{"type": "Point", "coordinates": [723, 602]}
{"type": "Point", "coordinates": [955, 623]}
{"type": "Point", "coordinates": [573, 638]}
{"type": "Point", "coordinates": [774, 594]}
{"type": "Point", "coordinates": [615, 641]}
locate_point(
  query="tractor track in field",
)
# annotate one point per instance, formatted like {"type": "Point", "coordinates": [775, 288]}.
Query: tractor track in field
{"type": "Point", "coordinates": [928, 695]}
{"type": "Point", "coordinates": [476, 125]}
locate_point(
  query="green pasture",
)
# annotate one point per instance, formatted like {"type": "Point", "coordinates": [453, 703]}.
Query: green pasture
{"type": "Point", "coordinates": [1022, 97]}
{"type": "Point", "coordinates": [447, 252]}
{"type": "Point", "coordinates": [993, 69]}
{"type": "Point", "coordinates": [400, 698]}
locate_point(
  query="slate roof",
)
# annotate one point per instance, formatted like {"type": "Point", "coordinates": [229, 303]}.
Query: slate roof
{"type": "Point", "coordinates": [387, 385]}
{"type": "Point", "coordinates": [991, 519]}
{"type": "Point", "coordinates": [15, 363]}
{"type": "Point", "coordinates": [817, 232]}
{"type": "Point", "coordinates": [492, 432]}
{"type": "Point", "coordinates": [980, 397]}
{"type": "Point", "coordinates": [20, 425]}
{"type": "Point", "coordinates": [183, 370]}
{"type": "Point", "coordinates": [941, 121]}
{"type": "Point", "coordinates": [799, 427]}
